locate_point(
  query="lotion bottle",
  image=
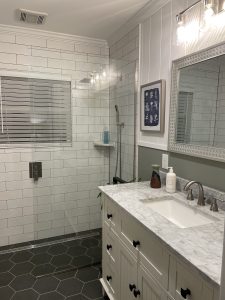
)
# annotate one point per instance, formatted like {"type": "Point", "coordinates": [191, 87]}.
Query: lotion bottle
{"type": "Point", "coordinates": [171, 181]}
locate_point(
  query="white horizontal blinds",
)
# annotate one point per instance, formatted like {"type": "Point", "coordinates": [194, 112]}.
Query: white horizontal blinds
{"type": "Point", "coordinates": [184, 117]}
{"type": "Point", "coordinates": [35, 110]}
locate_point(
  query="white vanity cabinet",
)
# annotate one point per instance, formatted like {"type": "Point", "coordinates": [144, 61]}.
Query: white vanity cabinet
{"type": "Point", "coordinates": [138, 265]}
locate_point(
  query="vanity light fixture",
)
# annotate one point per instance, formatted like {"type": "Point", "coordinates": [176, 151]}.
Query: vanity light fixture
{"type": "Point", "coordinates": [221, 5]}
{"type": "Point", "coordinates": [180, 16]}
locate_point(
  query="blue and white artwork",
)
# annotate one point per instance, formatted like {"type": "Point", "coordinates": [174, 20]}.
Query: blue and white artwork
{"type": "Point", "coordinates": [151, 107]}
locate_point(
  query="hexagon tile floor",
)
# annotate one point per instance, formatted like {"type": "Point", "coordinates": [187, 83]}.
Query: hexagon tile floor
{"type": "Point", "coordinates": [68, 270]}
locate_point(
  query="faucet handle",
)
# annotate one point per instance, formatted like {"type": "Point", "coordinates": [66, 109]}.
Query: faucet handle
{"type": "Point", "coordinates": [214, 206]}
{"type": "Point", "coordinates": [190, 195]}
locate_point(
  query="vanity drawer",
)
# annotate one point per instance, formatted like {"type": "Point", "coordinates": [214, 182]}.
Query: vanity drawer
{"type": "Point", "coordinates": [184, 280]}
{"type": "Point", "coordinates": [110, 277]}
{"type": "Point", "coordinates": [148, 251]}
{"type": "Point", "coordinates": [111, 214]}
{"type": "Point", "coordinates": [110, 245]}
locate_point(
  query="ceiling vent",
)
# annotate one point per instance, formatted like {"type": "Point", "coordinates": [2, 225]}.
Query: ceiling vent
{"type": "Point", "coordinates": [32, 17]}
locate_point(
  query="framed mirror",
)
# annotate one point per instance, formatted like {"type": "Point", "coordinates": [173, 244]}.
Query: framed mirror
{"type": "Point", "coordinates": [197, 109]}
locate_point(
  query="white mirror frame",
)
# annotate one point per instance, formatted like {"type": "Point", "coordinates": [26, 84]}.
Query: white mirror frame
{"type": "Point", "coordinates": [207, 152]}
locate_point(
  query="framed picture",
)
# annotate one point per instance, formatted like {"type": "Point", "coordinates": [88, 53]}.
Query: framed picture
{"type": "Point", "coordinates": [153, 106]}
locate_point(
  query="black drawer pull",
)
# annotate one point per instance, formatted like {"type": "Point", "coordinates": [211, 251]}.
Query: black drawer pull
{"type": "Point", "coordinates": [185, 293]}
{"type": "Point", "coordinates": [109, 278]}
{"type": "Point", "coordinates": [136, 243]}
{"type": "Point", "coordinates": [137, 293]}
{"type": "Point", "coordinates": [132, 286]}
{"type": "Point", "coordinates": [109, 216]}
{"type": "Point", "coordinates": [109, 247]}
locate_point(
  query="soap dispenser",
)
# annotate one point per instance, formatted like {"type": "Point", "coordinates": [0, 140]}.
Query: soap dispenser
{"type": "Point", "coordinates": [171, 181]}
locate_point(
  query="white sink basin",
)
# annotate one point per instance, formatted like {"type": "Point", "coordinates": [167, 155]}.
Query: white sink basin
{"type": "Point", "coordinates": [178, 213]}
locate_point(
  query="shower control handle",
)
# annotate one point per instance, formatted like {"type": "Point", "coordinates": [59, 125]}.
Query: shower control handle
{"type": "Point", "coordinates": [185, 293]}
{"type": "Point", "coordinates": [109, 278]}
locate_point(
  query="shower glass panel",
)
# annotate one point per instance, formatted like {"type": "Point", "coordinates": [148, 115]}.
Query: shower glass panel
{"type": "Point", "coordinates": [123, 98]}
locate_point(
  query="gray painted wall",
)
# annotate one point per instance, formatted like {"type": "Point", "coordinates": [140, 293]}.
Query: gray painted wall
{"type": "Point", "coordinates": [210, 173]}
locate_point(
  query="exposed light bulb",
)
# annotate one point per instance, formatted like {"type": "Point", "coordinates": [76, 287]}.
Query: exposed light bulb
{"type": "Point", "coordinates": [209, 12]}
{"type": "Point", "coordinates": [188, 33]}
{"type": "Point", "coordinates": [104, 74]}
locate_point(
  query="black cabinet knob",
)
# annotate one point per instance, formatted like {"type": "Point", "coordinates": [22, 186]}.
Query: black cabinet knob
{"type": "Point", "coordinates": [136, 293]}
{"type": "Point", "coordinates": [132, 286]}
{"type": "Point", "coordinates": [136, 243]}
{"type": "Point", "coordinates": [109, 216]}
{"type": "Point", "coordinates": [109, 247]}
{"type": "Point", "coordinates": [185, 293]}
{"type": "Point", "coordinates": [109, 278]}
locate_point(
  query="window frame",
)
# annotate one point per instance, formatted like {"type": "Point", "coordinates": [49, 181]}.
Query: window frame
{"type": "Point", "coordinates": [43, 76]}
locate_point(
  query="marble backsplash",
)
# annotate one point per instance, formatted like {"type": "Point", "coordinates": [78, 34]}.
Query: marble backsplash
{"type": "Point", "coordinates": [209, 193]}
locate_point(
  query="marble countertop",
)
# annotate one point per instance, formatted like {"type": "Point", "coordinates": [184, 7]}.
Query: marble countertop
{"type": "Point", "coordinates": [199, 246]}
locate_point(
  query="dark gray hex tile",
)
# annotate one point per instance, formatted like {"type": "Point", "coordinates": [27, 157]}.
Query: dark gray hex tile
{"type": "Point", "coordinates": [92, 289]}
{"type": "Point", "coordinates": [43, 270]}
{"type": "Point", "coordinates": [6, 293]}
{"type": "Point", "coordinates": [5, 278]}
{"type": "Point", "coordinates": [57, 249]}
{"type": "Point", "coordinates": [41, 258]}
{"type": "Point", "coordinates": [5, 256]}
{"type": "Point", "coordinates": [70, 287]}
{"type": "Point", "coordinates": [76, 251]}
{"type": "Point", "coordinates": [23, 282]}
{"type": "Point", "coordinates": [46, 284]}
{"type": "Point", "coordinates": [51, 296]}
{"type": "Point", "coordinates": [64, 268]}
{"type": "Point", "coordinates": [25, 295]}
{"type": "Point", "coordinates": [95, 253]}
{"type": "Point", "coordinates": [61, 260]}
{"type": "Point", "coordinates": [22, 268]}
{"type": "Point", "coordinates": [65, 275]}
{"type": "Point", "coordinates": [5, 265]}
{"type": "Point", "coordinates": [21, 256]}
{"type": "Point", "coordinates": [91, 242]}
{"type": "Point", "coordinates": [77, 297]}
{"type": "Point", "coordinates": [87, 274]}
{"type": "Point", "coordinates": [81, 261]}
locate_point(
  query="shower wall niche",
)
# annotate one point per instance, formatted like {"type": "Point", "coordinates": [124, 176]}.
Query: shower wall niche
{"type": "Point", "coordinates": [124, 62]}
{"type": "Point", "coordinates": [64, 200]}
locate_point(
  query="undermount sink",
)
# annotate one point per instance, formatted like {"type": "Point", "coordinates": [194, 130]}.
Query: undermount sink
{"type": "Point", "coordinates": [178, 213]}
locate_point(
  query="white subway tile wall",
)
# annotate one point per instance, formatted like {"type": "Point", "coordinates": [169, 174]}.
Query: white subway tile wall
{"type": "Point", "coordinates": [124, 62]}
{"type": "Point", "coordinates": [65, 199]}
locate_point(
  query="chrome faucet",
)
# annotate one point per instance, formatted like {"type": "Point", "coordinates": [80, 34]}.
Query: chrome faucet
{"type": "Point", "coordinates": [201, 198]}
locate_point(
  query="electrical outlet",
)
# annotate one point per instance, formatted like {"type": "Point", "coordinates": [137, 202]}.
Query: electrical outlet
{"type": "Point", "coordinates": [165, 161]}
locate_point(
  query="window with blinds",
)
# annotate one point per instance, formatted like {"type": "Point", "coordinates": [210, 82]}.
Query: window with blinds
{"type": "Point", "coordinates": [34, 111]}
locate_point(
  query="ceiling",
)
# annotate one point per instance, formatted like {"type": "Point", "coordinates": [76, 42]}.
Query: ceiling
{"type": "Point", "coordinates": [91, 18]}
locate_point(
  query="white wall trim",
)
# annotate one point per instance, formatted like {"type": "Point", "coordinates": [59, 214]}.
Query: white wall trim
{"type": "Point", "coordinates": [152, 145]}
{"type": "Point", "coordinates": [148, 10]}
{"type": "Point", "coordinates": [50, 35]}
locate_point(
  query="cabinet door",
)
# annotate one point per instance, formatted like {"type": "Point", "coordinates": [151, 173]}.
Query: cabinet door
{"type": "Point", "coordinates": [148, 288]}
{"type": "Point", "coordinates": [128, 273]}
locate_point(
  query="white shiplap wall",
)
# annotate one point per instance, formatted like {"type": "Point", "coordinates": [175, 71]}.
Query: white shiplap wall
{"type": "Point", "coordinates": [65, 199]}
{"type": "Point", "coordinates": [159, 47]}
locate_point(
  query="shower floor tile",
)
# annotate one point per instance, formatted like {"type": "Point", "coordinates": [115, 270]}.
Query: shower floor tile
{"type": "Point", "coordinates": [64, 271]}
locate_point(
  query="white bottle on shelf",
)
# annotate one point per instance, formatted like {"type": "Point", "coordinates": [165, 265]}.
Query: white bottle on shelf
{"type": "Point", "coordinates": [171, 181]}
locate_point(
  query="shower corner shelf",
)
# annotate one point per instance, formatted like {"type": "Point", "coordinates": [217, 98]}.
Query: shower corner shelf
{"type": "Point", "coordinates": [101, 144]}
